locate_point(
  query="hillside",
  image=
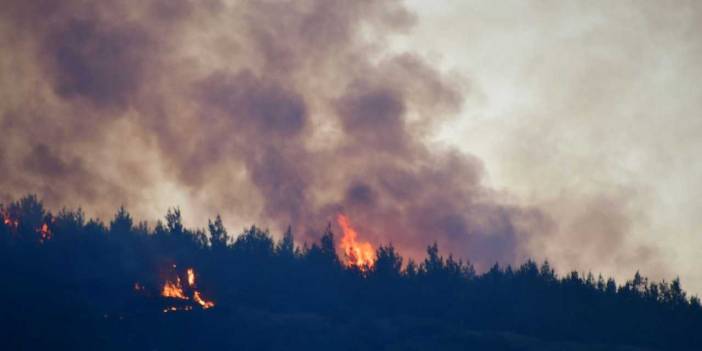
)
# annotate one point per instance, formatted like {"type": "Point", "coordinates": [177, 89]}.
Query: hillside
{"type": "Point", "coordinates": [71, 283]}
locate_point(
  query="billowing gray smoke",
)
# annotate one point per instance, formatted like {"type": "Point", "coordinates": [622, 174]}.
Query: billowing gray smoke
{"type": "Point", "coordinates": [274, 112]}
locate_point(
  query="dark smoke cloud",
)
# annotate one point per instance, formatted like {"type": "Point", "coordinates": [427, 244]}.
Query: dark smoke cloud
{"type": "Point", "coordinates": [374, 117]}
{"type": "Point", "coordinates": [255, 106]}
{"type": "Point", "coordinates": [278, 112]}
{"type": "Point", "coordinates": [102, 64]}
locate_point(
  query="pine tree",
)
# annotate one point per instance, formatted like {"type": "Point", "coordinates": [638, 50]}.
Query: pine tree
{"type": "Point", "coordinates": [218, 234]}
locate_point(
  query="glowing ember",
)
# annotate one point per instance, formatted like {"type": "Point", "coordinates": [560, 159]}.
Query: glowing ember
{"type": "Point", "coordinates": [358, 254]}
{"type": "Point", "coordinates": [45, 233]}
{"type": "Point", "coordinates": [174, 290]}
{"type": "Point", "coordinates": [174, 309]}
{"type": "Point", "coordinates": [9, 221]}
{"type": "Point", "coordinates": [138, 287]}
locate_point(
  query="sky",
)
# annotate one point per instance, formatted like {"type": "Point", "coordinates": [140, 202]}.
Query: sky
{"type": "Point", "coordinates": [565, 131]}
{"type": "Point", "coordinates": [584, 103]}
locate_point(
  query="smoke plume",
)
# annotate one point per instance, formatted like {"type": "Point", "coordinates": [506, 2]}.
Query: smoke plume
{"type": "Point", "coordinates": [271, 112]}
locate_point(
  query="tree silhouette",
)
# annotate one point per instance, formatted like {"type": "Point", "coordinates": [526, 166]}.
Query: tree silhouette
{"type": "Point", "coordinates": [286, 247]}
{"type": "Point", "coordinates": [122, 223]}
{"type": "Point", "coordinates": [218, 235]}
{"type": "Point", "coordinates": [72, 283]}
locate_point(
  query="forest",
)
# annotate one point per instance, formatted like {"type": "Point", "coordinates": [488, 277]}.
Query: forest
{"type": "Point", "coordinates": [71, 283]}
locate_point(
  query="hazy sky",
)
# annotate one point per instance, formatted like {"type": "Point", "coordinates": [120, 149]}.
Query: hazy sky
{"type": "Point", "coordinates": [582, 103]}
{"type": "Point", "coordinates": [500, 130]}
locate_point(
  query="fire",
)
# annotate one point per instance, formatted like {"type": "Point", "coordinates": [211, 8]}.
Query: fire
{"type": "Point", "coordinates": [191, 277]}
{"type": "Point", "coordinates": [204, 303]}
{"type": "Point", "coordinates": [175, 290]}
{"type": "Point", "coordinates": [357, 253]}
{"type": "Point", "coordinates": [44, 231]}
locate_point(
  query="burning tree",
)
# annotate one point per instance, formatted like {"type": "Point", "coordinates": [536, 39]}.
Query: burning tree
{"type": "Point", "coordinates": [359, 254]}
{"type": "Point", "coordinates": [174, 289]}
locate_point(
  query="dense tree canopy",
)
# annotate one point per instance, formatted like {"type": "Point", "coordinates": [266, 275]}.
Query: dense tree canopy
{"type": "Point", "coordinates": [72, 283]}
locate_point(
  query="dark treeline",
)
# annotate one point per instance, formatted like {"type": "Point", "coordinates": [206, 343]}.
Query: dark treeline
{"type": "Point", "coordinates": [72, 283]}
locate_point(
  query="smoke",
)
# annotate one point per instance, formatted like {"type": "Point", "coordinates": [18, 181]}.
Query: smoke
{"type": "Point", "coordinates": [274, 112]}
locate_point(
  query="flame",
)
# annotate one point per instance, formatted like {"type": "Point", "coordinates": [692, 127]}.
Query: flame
{"type": "Point", "coordinates": [191, 277]}
{"type": "Point", "coordinates": [174, 290]}
{"type": "Point", "coordinates": [204, 303]}
{"type": "Point", "coordinates": [13, 224]}
{"type": "Point", "coordinates": [358, 254]}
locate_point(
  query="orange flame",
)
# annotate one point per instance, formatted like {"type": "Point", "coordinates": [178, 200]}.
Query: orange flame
{"type": "Point", "coordinates": [174, 290]}
{"type": "Point", "coordinates": [204, 303]}
{"type": "Point", "coordinates": [44, 231]}
{"type": "Point", "coordinates": [191, 277]}
{"type": "Point", "coordinates": [358, 254]}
